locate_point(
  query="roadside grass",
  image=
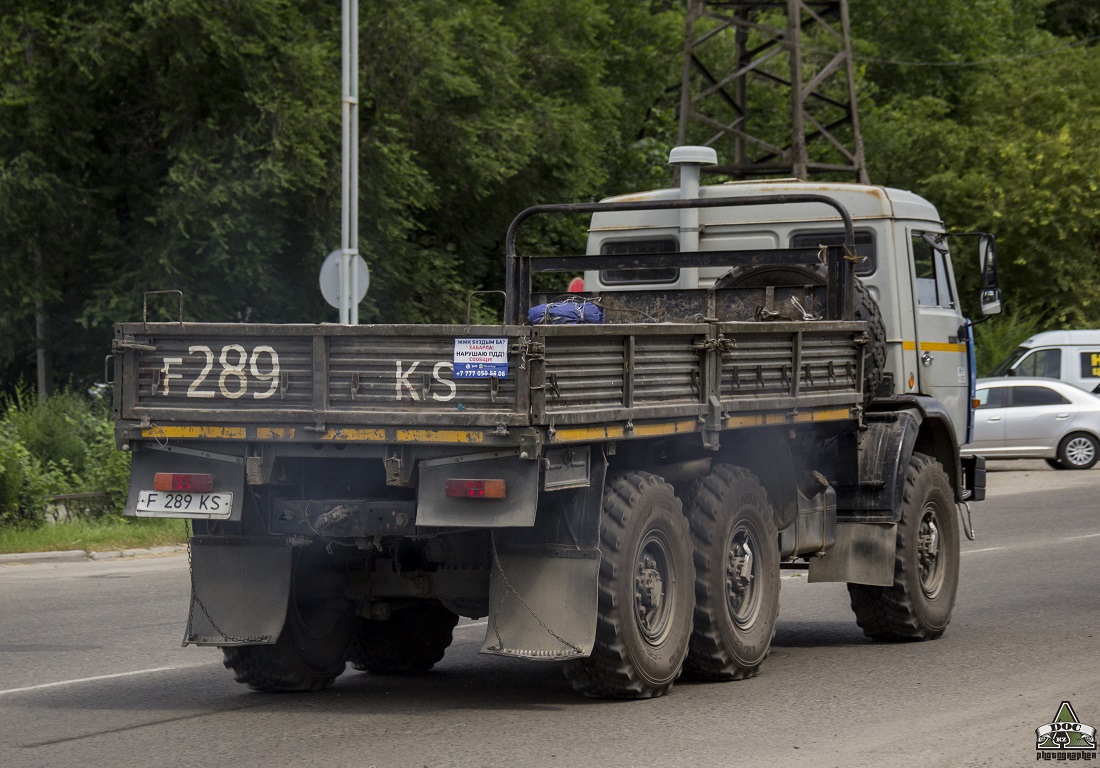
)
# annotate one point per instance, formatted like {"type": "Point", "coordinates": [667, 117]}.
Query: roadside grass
{"type": "Point", "coordinates": [93, 536]}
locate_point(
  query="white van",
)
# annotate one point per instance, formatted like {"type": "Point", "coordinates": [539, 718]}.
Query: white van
{"type": "Point", "coordinates": [1072, 356]}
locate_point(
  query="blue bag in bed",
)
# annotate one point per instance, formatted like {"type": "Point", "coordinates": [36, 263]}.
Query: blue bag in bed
{"type": "Point", "coordinates": [565, 313]}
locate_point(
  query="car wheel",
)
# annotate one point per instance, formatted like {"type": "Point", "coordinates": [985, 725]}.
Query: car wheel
{"type": "Point", "coordinates": [1078, 451]}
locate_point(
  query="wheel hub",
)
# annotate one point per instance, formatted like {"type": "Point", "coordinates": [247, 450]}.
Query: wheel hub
{"type": "Point", "coordinates": [1079, 451]}
{"type": "Point", "coordinates": [742, 596]}
{"type": "Point", "coordinates": [651, 609]}
{"type": "Point", "coordinates": [928, 552]}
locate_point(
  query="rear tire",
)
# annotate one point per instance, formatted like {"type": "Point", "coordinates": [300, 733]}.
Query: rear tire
{"type": "Point", "coordinates": [410, 642]}
{"type": "Point", "coordinates": [736, 575]}
{"type": "Point", "coordinates": [918, 605]}
{"type": "Point", "coordinates": [1079, 450]}
{"type": "Point", "coordinates": [309, 654]}
{"type": "Point", "coordinates": [646, 593]}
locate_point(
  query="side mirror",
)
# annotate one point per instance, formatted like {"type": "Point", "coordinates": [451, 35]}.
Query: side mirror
{"type": "Point", "coordinates": [990, 295]}
{"type": "Point", "coordinates": [991, 302]}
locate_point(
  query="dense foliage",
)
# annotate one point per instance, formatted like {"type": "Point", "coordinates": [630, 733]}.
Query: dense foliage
{"type": "Point", "coordinates": [195, 145]}
{"type": "Point", "coordinates": [60, 447]}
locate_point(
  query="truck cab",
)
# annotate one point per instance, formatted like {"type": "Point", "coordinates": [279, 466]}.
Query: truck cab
{"type": "Point", "coordinates": [901, 256]}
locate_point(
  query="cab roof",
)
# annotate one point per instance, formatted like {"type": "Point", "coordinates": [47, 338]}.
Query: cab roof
{"type": "Point", "coordinates": [863, 201]}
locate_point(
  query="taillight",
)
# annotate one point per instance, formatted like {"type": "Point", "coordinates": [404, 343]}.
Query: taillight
{"type": "Point", "coordinates": [175, 481]}
{"type": "Point", "coordinates": [475, 489]}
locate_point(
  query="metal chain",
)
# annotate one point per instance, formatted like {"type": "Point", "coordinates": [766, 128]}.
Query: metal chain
{"type": "Point", "coordinates": [530, 610]}
{"type": "Point", "coordinates": [196, 601]}
{"type": "Point", "coordinates": [191, 573]}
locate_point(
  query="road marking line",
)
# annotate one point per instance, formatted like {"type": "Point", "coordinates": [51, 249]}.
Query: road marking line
{"type": "Point", "coordinates": [987, 549]}
{"type": "Point", "coordinates": [1086, 536]}
{"type": "Point", "coordinates": [99, 677]}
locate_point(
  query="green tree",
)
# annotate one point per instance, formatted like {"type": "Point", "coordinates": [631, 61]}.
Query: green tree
{"type": "Point", "coordinates": [194, 145]}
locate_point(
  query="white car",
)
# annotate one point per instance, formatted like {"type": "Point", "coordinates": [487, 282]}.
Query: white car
{"type": "Point", "coordinates": [1032, 418]}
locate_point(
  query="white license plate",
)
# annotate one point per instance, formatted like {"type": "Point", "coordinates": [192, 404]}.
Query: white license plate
{"type": "Point", "coordinates": [216, 506]}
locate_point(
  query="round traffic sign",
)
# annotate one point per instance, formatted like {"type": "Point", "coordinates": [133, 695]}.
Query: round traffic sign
{"type": "Point", "coordinates": [330, 278]}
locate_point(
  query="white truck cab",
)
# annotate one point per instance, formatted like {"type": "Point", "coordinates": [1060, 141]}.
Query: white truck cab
{"type": "Point", "coordinates": [900, 243]}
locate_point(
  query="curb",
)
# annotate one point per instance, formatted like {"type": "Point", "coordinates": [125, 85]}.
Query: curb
{"type": "Point", "coordinates": [80, 555]}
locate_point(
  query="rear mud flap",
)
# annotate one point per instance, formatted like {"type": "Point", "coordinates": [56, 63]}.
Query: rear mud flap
{"type": "Point", "coordinates": [239, 594]}
{"type": "Point", "coordinates": [542, 606]}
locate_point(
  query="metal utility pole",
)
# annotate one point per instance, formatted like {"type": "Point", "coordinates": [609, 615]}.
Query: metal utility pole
{"type": "Point", "coordinates": [349, 185]}
{"type": "Point", "coordinates": [42, 351]}
{"type": "Point", "coordinates": [798, 50]}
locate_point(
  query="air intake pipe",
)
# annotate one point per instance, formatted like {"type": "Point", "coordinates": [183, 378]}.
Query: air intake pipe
{"type": "Point", "coordinates": [690, 161]}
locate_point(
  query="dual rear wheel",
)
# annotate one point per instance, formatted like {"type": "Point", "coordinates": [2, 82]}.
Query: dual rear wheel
{"type": "Point", "coordinates": [674, 596]}
{"type": "Point", "coordinates": [321, 634]}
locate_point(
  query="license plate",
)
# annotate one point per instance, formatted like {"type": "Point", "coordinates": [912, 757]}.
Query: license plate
{"type": "Point", "coordinates": [216, 506]}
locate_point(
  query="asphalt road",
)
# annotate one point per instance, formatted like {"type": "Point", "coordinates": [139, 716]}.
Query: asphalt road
{"type": "Point", "coordinates": [92, 674]}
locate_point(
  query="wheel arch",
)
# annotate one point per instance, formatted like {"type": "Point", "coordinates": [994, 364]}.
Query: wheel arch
{"type": "Point", "coordinates": [935, 436]}
{"type": "Point", "coordinates": [887, 442]}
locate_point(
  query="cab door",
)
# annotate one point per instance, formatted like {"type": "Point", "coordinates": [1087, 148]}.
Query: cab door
{"type": "Point", "coordinates": [942, 368]}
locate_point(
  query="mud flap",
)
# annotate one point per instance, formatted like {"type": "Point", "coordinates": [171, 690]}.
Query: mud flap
{"type": "Point", "coordinates": [542, 605]}
{"type": "Point", "coordinates": [239, 594]}
{"type": "Point", "coordinates": [863, 554]}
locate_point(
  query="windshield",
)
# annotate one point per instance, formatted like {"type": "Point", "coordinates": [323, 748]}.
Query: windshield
{"type": "Point", "coordinates": [1003, 368]}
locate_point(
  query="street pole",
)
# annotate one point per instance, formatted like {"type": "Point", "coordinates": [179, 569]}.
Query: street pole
{"type": "Point", "coordinates": [349, 162]}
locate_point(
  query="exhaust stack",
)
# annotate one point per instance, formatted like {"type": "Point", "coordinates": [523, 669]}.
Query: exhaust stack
{"type": "Point", "coordinates": [690, 160]}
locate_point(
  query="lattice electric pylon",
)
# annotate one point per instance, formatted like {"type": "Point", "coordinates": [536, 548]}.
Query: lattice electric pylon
{"type": "Point", "coordinates": [771, 85]}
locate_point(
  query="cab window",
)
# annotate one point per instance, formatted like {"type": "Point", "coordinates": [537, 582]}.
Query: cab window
{"type": "Point", "coordinates": [933, 285]}
{"type": "Point", "coordinates": [864, 240]}
{"type": "Point", "coordinates": [635, 247]}
{"type": "Point", "coordinates": [1044, 363]}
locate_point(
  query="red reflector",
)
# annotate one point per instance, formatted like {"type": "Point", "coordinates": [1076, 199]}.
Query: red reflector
{"type": "Point", "coordinates": [475, 489]}
{"type": "Point", "coordinates": [174, 481]}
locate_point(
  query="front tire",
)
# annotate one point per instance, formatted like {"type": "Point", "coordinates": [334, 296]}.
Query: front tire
{"type": "Point", "coordinates": [410, 642]}
{"type": "Point", "coordinates": [737, 575]}
{"type": "Point", "coordinates": [1078, 451]}
{"type": "Point", "coordinates": [918, 605]}
{"type": "Point", "coordinates": [646, 593]}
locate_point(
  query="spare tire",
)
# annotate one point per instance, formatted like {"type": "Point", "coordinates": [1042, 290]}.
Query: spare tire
{"type": "Point", "coordinates": [874, 355]}
{"type": "Point", "coordinates": [866, 309]}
